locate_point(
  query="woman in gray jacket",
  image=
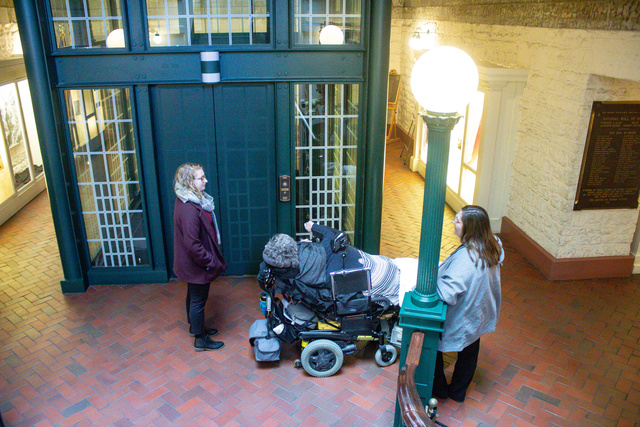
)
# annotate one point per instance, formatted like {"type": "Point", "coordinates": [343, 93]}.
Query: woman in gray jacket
{"type": "Point", "coordinates": [469, 283]}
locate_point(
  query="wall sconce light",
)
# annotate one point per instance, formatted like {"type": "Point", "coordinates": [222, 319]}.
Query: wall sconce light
{"type": "Point", "coordinates": [331, 34]}
{"type": "Point", "coordinates": [423, 39]}
{"type": "Point", "coordinates": [210, 67]}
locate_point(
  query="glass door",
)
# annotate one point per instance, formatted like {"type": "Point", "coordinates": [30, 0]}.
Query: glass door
{"type": "Point", "coordinates": [105, 156]}
{"type": "Point", "coordinates": [20, 159]}
{"type": "Point", "coordinates": [326, 153]}
{"type": "Point", "coordinates": [463, 155]}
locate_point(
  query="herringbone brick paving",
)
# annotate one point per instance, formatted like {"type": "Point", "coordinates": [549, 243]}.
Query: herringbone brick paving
{"type": "Point", "coordinates": [564, 353]}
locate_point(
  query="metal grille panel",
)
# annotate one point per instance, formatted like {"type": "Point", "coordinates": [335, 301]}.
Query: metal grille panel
{"type": "Point", "coordinates": [102, 139]}
{"type": "Point", "coordinates": [326, 132]}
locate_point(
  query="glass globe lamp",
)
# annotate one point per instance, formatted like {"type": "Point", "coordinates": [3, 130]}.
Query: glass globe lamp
{"type": "Point", "coordinates": [444, 79]}
{"type": "Point", "coordinates": [331, 34]}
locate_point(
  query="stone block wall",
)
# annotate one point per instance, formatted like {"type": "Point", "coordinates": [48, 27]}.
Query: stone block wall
{"type": "Point", "coordinates": [568, 69]}
{"type": "Point", "coordinates": [8, 27]}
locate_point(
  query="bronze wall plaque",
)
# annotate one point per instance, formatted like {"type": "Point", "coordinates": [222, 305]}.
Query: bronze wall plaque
{"type": "Point", "coordinates": [610, 173]}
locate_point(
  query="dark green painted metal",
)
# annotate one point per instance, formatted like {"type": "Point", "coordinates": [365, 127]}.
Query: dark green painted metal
{"type": "Point", "coordinates": [173, 68]}
{"type": "Point", "coordinates": [148, 178]}
{"type": "Point", "coordinates": [280, 25]}
{"type": "Point", "coordinates": [435, 185]}
{"type": "Point", "coordinates": [210, 67]}
{"type": "Point", "coordinates": [245, 153]}
{"type": "Point", "coordinates": [278, 64]}
{"type": "Point", "coordinates": [125, 276]}
{"type": "Point", "coordinates": [376, 123]}
{"type": "Point", "coordinates": [422, 309]}
{"type": "Point", "coordinates": [42, 98]}
{"type": "Point", "coordinates": [430, 320]}
{"type": "Point", "coordinates": [135, 24]}
{"type": "Point", "coordinates": [183, 131]}
{"type": "Point", "coordinates": [285, 156]}
{"type": "Point", "coordinates": [229, 130]}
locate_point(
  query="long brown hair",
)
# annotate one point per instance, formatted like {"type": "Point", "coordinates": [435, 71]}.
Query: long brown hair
{"type": "Point", "coordinates": [477, 235]}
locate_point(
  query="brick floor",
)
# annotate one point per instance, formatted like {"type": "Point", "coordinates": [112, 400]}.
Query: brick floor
{"type": "Point", "coordinates": [564, 353]}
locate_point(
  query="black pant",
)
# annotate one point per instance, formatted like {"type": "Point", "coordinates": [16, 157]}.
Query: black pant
{"type": "Point", "coordinates": [196, 299]}
{"type": "Point", "coordinates": [462, 373]}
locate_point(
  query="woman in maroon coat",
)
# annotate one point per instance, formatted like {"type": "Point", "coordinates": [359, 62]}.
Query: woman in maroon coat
{"type": "Point", "coordinates": [197, 258]}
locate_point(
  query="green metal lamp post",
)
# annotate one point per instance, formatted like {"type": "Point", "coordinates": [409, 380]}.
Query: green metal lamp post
{"type": "Point", "coordinates": [442, 81]}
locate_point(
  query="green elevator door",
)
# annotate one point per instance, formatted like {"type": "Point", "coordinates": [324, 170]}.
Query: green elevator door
{"type": "Point", "coordinates": [229, 130]}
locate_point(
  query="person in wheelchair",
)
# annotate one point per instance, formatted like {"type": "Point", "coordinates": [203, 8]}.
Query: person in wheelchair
{"type": "Point", "coordinates": [334, 296]}
{"type": "Point", "coordinates": [302, 269]}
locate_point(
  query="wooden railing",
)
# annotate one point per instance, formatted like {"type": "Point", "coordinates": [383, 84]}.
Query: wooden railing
{"type": "Point", "coordinates": [411, 407]}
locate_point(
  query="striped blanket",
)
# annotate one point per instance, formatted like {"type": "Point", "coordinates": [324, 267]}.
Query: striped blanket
{"type": "Point", "coordinates": [385, 276]}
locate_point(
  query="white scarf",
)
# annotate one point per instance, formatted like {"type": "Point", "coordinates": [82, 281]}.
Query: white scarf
{"type": "Point", "coordinates": [206, 202]}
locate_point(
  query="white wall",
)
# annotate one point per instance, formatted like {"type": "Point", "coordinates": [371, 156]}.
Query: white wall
{"type": "Point", "coordinates": [568, 69]}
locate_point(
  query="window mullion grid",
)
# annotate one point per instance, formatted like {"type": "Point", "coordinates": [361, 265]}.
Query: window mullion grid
{"type": "Point", "coordinates": [97, 191]}
{"type": "Point", "coordinates": [105, 29]}
{"type": "Point", "coordinates": [167, 22]}
{"type": "Point", "coordinates": [229, 21]}
{"type": "Point", "coordinates": [72, 37]}
{"type": "Point", "coordinates": [209, 17]}
{"type": "Point", "coordinates": [125, 224]}
{"type": "Point", "coordinates": [107, 186]}
{"type": "Point", "coordinates": [188, 17]}
{"type": "Point", "coordinates": [87, 23]}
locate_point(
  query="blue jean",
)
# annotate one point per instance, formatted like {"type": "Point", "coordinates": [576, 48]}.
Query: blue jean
{"type": "Point", "coordinates": [197, 295]}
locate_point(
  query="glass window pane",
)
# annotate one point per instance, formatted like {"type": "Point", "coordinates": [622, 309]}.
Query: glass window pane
{"type": "Point", "coordinates": [108, 177]}
{"type": "Point", "coordinates": [97, 31]}
{"type": "Point", "coordinates": [455, 156]}
{"type": "Point", "coordinates": [318, 7]}
{"type": "Point", "coordinates": [472, 140]}
{"type": "Point", "coordinates": [87, 24]}
{"type": "Point", "coordinates": [198, 7]}
{"type": "Point", "coordinates": [175, 7]}
{"type": "Point", "coordinates": [155, 7]}
{"type": "Point", "coordinates": [353, 7]}
{"type": "Point", "coordinates": [352, 30]}
{"type": "Point", "coordinates": [213, 22]}
{"type": "Point", "coordinates": [311, 16]}
{"type": "Point", "coordinates": [219, 7]}
{"type": "Point", "coordinates": [325, 155]}
{"type": "Point", "coordinates": [468, 185]}
{"type": "Point", "coordinates": [59, 8]}
{"type": "Point", "coordinates": [335, 7]}
{"type": "Point", "coordinates": [13, 132]}
{"type": "Point", "coordinates": [30, 126]}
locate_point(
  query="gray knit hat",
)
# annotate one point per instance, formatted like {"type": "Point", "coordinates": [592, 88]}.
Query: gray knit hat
{"type": "Point", "coordinates": [281, 251]}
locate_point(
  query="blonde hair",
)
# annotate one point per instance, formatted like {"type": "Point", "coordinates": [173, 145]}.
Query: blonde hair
{"type": "Point", "coordinates": [184, 177]}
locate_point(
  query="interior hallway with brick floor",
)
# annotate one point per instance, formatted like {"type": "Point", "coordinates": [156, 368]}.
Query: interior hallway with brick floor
{"type": "Point", "coordinates": [564, 353]}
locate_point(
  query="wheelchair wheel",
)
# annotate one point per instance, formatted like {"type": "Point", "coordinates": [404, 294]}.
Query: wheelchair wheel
{"type": "Point", "coordinates": [322, 358]}
{"type": "Point", "coordinates": [386, 357]}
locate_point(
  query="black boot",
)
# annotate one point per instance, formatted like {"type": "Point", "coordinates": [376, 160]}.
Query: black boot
{"type": "Point", "coordinates": [205, 343]}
